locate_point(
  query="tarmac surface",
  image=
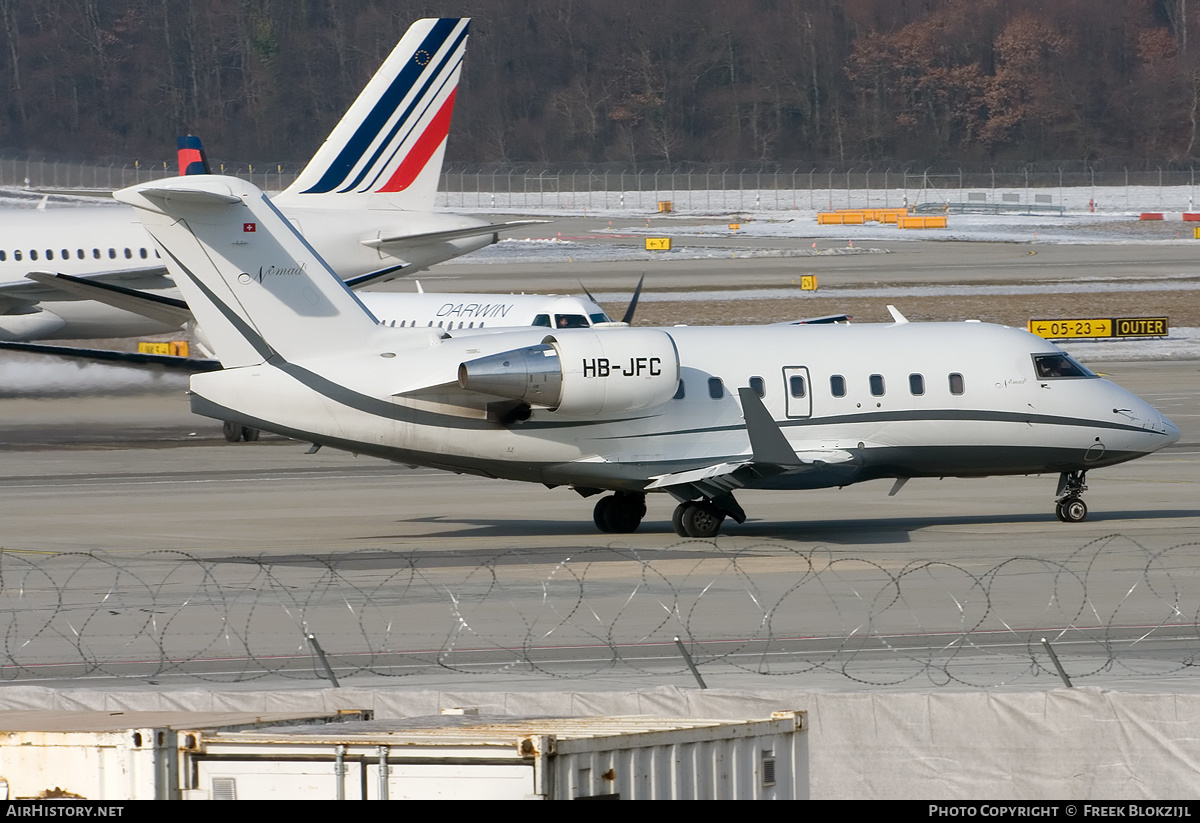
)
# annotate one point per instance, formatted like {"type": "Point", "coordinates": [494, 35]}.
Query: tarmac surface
{"type": "Point", "coordinates": [903, 261]}
{"type": "Point", "coordinates": [140, 550]}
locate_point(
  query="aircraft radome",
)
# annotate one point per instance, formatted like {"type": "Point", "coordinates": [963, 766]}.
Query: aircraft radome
{"type": "Point", "coordinates": [365, 201]}
{"type": "Point", "coordinates": [697, 413]}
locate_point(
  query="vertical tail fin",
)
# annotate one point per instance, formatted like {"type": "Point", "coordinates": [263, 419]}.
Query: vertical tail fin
{"type": "Point", "coordinates": [192, 159]}
{"type": "Point", "coordinates": [254, 284]}
{"type": "Point", "coordinates": [387, 150]}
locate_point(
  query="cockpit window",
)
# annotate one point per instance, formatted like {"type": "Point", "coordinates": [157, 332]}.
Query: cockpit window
{"type": "Point", "coordinates": [542, 320]}
{"type": "Point", "coordinates": [1049, 366]}
{"type": "Point", "coordinates": [570, 321]}
{"type": "Point", "coordinates": [599, 318]}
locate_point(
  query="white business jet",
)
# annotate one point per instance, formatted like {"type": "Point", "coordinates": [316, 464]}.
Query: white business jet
{"type": "Point", "coordinates": [697, 413]}
{"type": "Point", "coordinates": [364, 202]}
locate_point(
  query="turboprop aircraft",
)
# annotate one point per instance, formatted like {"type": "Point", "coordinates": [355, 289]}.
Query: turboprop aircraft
{"type": "Point", "coordinates": [697, 413]}
{"type": "Point", "coordinates": [365, 201]}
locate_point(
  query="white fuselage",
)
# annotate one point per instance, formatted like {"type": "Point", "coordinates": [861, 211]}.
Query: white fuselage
{"type": "Point", "coordinates": [458, 312]}
{"type": "Point", "coordinates": [981, 409]}
{"type": "Point", "coordinates": [93, 239]}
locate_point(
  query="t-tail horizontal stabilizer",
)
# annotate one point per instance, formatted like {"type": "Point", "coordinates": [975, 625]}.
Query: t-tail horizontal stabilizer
{"type": "Point", "coordinates": [253, 283]}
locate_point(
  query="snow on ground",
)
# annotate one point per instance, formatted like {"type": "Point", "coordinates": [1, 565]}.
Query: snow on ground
{"type": "Point", "coordinates": [1180, 344]}
{"type": "Point", "coordinates": [1117, 201]}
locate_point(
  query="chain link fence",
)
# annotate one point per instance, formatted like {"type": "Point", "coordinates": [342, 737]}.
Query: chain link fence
{"type": "Point", "coordinates": [734, 189]}
{"type": "Point", "coordinates": [42, 173]}
{"type": "Point", "coordinates": [1164, 186]}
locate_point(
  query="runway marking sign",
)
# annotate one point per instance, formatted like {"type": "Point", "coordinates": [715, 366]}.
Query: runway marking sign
{"type": "Point", "coordinates": [808, 282]}
{"type": "Point", "coordinates": [658, 244]}
{"type": "Point", "coordinates": [1074, 328]}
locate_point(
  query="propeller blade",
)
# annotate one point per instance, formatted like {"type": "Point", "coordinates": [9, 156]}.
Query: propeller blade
{"type": "Point", "coordinates": [628, 318]}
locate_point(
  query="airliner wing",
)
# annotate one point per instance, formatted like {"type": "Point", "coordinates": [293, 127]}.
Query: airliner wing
{"type": "Point", "coordinates": [33, 291]}
{"type": "Point", "coordinates": [189, 365]}
{"type": "Point", "coordinates": [156, 306]}
{"type": "Point", "coordinates": [396, 244]}
{"type": "Point", "coordinates": [92, 193]}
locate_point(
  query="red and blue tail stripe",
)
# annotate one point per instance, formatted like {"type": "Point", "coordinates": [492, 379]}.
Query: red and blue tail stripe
{"type": "Point", "coordinates": [370, 151]}
{"type": "Point", "coordinates": [191, 156]}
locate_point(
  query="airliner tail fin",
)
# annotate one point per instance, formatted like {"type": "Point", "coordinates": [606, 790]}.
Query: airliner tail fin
{"type": "Point", "coordinates": [191, 156]}
{"type": "Point", "coordinates": [387, 150]}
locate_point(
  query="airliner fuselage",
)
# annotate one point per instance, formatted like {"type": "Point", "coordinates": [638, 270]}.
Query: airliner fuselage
{"type": "Point", "coordinates": [95, 239]}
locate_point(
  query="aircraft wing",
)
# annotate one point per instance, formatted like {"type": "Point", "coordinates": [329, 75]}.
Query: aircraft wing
{"type": "Point", "coordinates": [397, 244]}
{"type": "Point", "coordinates": [191, 365]}
{"type": "Point", "coordinates": [721, 478]}
{"type": "Point", "coordinates": [33, 291]}
{"type": "Point", "coordinates": [816, 321]}
{"type": "Point", "coordinates": [771, 455]}
{"type": "Point", "coordinates": [169, 310]}
{"type": "Point", "coordinates": [15, 304]}
{"type": "Point", "coordinates": [92, 193]}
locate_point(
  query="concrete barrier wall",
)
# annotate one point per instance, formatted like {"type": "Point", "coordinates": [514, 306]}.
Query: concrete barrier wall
{"type": "Point", "coordinates": [1059, 744]}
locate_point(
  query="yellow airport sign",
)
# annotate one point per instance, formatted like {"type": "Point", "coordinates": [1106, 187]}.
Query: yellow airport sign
{"type": "Point", "coordinates": [154, 348]}
{"type": "Point", "coordinates": [808, 282]}
{"type": "Point", "coordinates": [658, 244]}
{"type": "Point", "coordinates": [174, 348]}
{"type": "Point", "coordinates": [1071, 328]}
{"type": "Point", "coordinates": [1140, 327]}
{"type": "Point", "coordinates": [1062, 329]}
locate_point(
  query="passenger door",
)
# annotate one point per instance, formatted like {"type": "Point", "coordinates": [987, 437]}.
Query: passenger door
{"type": "Point", "coordinates": [797, 388]}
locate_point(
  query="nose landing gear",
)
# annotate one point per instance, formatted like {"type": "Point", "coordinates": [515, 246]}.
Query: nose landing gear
{"type": "Point", "coordinates": [1069, 506]}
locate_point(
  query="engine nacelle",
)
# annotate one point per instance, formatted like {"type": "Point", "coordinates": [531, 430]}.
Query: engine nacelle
{"type": "Point", "coordinates": [582, 372]}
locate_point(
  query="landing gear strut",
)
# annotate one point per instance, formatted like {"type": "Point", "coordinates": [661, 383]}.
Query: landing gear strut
{"type": "Point", "coordinates": [1069, 506]}
{"type": "Point", "coordinates": [620, 513]}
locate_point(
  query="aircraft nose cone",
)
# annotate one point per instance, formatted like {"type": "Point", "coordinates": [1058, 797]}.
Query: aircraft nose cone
{"type": "Point", "coordinates": [1172, 430]}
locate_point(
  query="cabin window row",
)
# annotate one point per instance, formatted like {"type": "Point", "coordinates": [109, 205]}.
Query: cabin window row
{"type": "Point", "coordinates": [65, 254]}
{"type": "Point", "coordinates": [878, 386]}
{"type": "Point", "coordinates": [798, 387]}
{"type": "Point", "coordinates": [441, 324]}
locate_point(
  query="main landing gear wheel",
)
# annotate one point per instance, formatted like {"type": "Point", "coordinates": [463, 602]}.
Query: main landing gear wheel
{"type": "Point", "coordinates": [619, 513]}
{"type": "Point", "coordinates": [1071, 510]}
{"type": "Point", "coordinates": [695, 519]}
{"type": "Point", "coordinates": [235, 432]}
{"type": "Point", "coordinates": [1069, 507]}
